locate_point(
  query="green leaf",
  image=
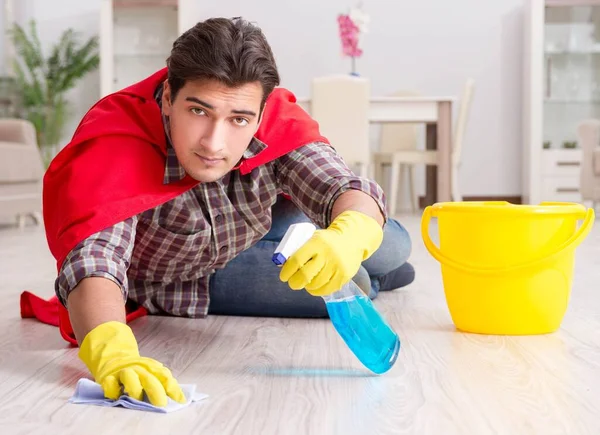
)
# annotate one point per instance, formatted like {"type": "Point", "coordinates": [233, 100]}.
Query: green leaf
{"type": "Point", "coordinates": [44, 80]}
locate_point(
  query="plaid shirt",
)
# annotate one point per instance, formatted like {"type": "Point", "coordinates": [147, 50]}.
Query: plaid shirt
{"type": "Point", "coordinates": [163, 258]}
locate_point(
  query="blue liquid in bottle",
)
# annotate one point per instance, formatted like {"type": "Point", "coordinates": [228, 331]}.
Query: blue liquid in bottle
{"type": "Point", "coordinates": [352, 313]}
{"type": "Point", "coordinates": [362, 328]}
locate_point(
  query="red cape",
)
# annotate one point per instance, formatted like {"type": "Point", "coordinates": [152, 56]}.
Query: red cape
{"type": "Point", "coordinates": [113, 169]}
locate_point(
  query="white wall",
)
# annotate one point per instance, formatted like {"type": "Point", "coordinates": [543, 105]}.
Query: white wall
{"type": "Point", "coordinates": [431, 46]}
{"type": "Point", "coordinates": [2, 38]}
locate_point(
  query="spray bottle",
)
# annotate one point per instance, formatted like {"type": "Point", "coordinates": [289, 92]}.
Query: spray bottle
{"type": "Point", "coordinates": [352, 313]}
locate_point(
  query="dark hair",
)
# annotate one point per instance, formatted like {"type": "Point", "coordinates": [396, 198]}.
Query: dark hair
{"type": "Point", "coordinates": [232, 51]}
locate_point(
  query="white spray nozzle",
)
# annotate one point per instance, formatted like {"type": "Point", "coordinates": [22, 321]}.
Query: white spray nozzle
{"type": "Point", "coordinates": [296, 236]}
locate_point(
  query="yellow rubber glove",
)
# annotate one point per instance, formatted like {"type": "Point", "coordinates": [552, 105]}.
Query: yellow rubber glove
{"type": "Point", "coordinates": [331, 257]}
{"type": "Point", "coordinates": [111, 353]}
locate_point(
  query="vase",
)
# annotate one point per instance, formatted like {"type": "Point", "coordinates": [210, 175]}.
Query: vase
{"type": "Point", "coordinates": [353, 70]}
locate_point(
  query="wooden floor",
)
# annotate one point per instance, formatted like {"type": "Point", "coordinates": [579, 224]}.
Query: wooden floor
{"type": "Point", "coordinates": [281, 376]}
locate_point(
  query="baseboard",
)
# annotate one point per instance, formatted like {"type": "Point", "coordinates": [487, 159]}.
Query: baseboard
{"type": "Point", "coordinates": [512, 199]}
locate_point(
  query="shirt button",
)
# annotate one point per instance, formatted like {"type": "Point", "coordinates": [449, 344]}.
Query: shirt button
{"type": "Point", "coordinates": [223, 249]}
{"type": "Point", "coordinates": [219, 219]}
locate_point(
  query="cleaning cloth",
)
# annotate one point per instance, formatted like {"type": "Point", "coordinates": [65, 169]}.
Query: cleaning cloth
{"type": "Point", "coordinates": [88, 391]}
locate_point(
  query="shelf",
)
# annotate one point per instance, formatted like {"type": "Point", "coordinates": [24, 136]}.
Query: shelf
{"type": "Point", "coordinates": [122, 4]}
{"type": "Point", "coordinates": [571, 3]}
{"type": "Point", "coordinates": [590, 52]}
{"type": "Point", "coordinates": [140, 55]}
{"type": "Point", "coordinates": [567, 101]}
{"type": "Point", "coordinates": [556, 149]}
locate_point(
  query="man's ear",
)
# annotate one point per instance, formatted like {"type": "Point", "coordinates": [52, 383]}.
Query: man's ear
{"type": "Point", "coordinates": [166, 98]}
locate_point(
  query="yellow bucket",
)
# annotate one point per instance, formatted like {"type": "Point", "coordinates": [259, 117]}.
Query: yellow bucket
{"type": "Point", "coordinates": [507, 269]}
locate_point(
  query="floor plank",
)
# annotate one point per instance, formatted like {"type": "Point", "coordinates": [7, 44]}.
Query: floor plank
{"type": "Point", "coordinates": [290, 376]}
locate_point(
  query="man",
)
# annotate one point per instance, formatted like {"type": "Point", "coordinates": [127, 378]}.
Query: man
{"type": "Point", "coordinates": [174, 193]}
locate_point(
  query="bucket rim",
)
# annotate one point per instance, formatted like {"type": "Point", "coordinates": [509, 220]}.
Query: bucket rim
{"type": "Point", "coordinates": [543, 208]}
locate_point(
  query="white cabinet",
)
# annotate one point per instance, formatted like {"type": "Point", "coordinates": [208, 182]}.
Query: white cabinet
{"type": "Point", "coordinates": [560, 175]}
{"type": "Point", "coordinates": [136, 37]}
{"type": "Point", "coordinates": [561, 88]}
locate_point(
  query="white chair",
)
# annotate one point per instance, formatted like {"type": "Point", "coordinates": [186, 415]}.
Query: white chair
{"type": "Point", "coordinates": [340, 104]}
{"type": "Point", "coordinates": [21, 171]}
{"type": "Point", "coordinates": [398, 149]}
{"type": "Point", "coordinates": [400, 137]}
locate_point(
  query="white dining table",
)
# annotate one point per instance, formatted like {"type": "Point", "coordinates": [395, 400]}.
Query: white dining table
{"type": "Point", "coordinates": [436, 113]}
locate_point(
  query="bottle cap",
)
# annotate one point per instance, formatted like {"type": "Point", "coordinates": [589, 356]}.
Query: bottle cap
{"type": "Point", "coordinates": [296, 236]}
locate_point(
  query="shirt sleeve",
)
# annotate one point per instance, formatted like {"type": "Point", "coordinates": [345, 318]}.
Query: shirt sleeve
{"type": "Point", "coordinates": [104, 254]}
{"type": "Point", "coordinates": [314, 175]}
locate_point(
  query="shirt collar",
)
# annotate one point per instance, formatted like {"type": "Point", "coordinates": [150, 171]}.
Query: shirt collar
{"type": "Point", "coordinates": [173, 170]}
{"type": "Point", "coordinates": [254, 148]}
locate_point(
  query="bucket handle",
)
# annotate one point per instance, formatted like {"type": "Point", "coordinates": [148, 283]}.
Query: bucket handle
{"type": "Point", "coordinates": [573, 241]}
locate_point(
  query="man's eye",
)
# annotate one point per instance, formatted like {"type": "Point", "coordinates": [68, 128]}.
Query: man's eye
{"type": "Point", "coordinates": [197, 111]}
{"type": "Point", "coordinates": [240, 121]}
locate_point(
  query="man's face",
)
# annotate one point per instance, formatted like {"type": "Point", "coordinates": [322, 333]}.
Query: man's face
{"type": "Point", "coordinates": [212, 125]}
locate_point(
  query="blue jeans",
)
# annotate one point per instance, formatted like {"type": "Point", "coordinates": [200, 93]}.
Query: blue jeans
{"type": "Point", "coordinates": [250, 285]}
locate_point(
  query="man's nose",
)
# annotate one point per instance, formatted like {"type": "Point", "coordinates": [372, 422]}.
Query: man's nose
{"type": "Point", "coordinates": [214, 137]}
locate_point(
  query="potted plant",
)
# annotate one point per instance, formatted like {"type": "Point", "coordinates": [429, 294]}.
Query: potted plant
{"type": "Point", "coordinates": [44, 81]}
{"type": "Point", "coordinates": [350, 27]}
{"type": "Point", "coordinates": [9, 97]}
